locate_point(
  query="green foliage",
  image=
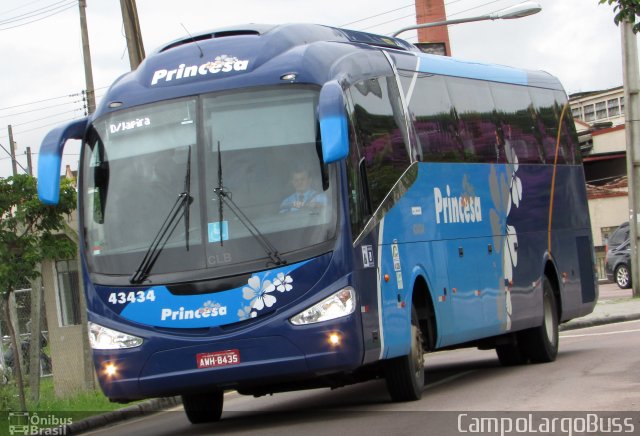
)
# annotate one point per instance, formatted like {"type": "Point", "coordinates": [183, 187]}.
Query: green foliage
{"type": "Point", "coordinates": [28, 229]}
{"type": "Point", "coordinates": [626, 10]}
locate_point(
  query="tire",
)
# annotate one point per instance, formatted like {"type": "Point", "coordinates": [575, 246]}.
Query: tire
{"type": "Point", "coordinates": [511, 355]}
{"type": "Point", "coordinates": [540, 344]}
{"type": "Point", "coordinates": [405, 375]}
{"type": "Point", "coordinates": [623, 276]}
{"type": "Point", "coordinates": [202, 408]}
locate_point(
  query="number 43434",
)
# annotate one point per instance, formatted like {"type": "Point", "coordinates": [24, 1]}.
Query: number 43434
{"type": "Point", "coordinates": [131, 297]}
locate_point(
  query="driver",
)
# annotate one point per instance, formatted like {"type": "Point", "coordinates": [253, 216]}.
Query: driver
{"type": "Point", "coordinates": [304, 197]}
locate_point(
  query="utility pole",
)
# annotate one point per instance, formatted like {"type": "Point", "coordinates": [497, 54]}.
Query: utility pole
{"type": "Point", "coordinates": [12, 147]}
{"type": "Point", "coordinates": [86, 54]}
{"type": "Point", "coordinates": [132, 31]}
{"type": "Point", "coordinates": [29, 165]}
{"type": "Point", "coordinates": [631, 81]}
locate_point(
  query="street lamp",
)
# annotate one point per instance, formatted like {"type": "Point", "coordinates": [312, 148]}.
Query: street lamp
{"type": "Point", "coordinates": [516, 11]}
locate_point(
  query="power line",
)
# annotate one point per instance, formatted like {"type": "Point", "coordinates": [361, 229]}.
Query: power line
{"type": "Point", "coordinates": [47, 117]}
{"type": "Point", "coordinates": [387, 22]}
{"type": "Point", "coordinates": [77, 94]}
{"type": "Point", "coordinates": [377, 15]}
{"type": "Point", "coordinates": [14, 159]}
{"type": "Point", "coordinates": [40, 101]}
{"type": "Point", "coordinates": [42, 18]}
{"type": "Point", "coordinates": [50, 8]}
{"type": "Point", "coordinates": [39, 109]}
{"type": "Point", "coordinates": [20, 7]}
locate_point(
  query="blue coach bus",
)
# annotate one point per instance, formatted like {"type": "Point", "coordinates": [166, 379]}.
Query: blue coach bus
{"type": "Point", "coordinates": [272, 208]}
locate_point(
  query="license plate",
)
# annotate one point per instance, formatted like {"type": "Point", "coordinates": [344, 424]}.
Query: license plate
{"type": "Point", "coordinates": [219, 358]}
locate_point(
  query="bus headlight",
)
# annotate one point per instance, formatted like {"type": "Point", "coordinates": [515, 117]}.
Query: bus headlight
{"type": "Point", "coordinates": [337, 305]}
{"type": "Point", "coordinates": [103, 338]}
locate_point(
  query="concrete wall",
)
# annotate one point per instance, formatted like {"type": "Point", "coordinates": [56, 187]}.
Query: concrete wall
{"type": "Point", "coordinates": [607, 212]}
{"type": "Point", "coordinates": [65, 342]}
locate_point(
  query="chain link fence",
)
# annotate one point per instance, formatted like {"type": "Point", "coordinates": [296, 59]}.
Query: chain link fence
{"type": "Point", "coordinates": [20, 306]}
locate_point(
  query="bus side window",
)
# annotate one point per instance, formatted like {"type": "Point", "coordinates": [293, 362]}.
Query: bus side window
{"type": "Point", "coordinates": [434, 119]}
{"type": "Point", "coordinates": [569, 136]}
{"type": "Point", "coordinates": [546, 119]}
{"type": "Point", "coordinates": [359, 205]}
{"type": "Point", "coordinates": [476, 129]}
{"type": "Point", "coordinates": [515, 121]}
{"type": "Point", "coordinates": [380, 137]}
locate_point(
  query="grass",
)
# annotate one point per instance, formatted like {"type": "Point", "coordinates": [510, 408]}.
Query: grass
{"type": "Point", "coordinates": [52, 410]}
{"type": "Point", "coordinates": [92, 401]}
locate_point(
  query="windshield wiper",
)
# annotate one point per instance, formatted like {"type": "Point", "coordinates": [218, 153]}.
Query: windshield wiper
{"type": "Point", "coordinates": [224, 197]}
{"type": "Point", "coordinates": [166, 229]}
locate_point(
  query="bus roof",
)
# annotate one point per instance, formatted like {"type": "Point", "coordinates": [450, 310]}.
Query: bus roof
{"type": "Point", "coordinates": [257, 54]}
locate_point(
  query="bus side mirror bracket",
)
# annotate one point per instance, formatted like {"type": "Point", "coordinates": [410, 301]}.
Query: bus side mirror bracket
{"type": "Point", "coordinates": [334, 129]}
{"type": "Point", "coordinates": [50, 159]}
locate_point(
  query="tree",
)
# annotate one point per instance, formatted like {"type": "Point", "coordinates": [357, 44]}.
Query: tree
{"type": "Point", "coordinates": [625, 10]}
{"type": "Point", "coordinates": [29, 234]}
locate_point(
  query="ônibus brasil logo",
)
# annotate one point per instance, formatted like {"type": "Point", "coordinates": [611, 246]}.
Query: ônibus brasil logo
{"type": "Point", "coordinates": [221, 64]}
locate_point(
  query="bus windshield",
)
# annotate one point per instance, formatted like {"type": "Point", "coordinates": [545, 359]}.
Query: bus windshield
{"type": "Point", "coordinates": [220, 181]}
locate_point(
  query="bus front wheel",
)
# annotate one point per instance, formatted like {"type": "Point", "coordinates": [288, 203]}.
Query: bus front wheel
{"type": "Point", "coordinates": [405, 375]}
{"type": "Point", "coordinates": [202, 408]}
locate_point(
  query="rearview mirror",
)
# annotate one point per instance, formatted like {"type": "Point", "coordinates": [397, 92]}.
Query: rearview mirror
{"type": "Point", "coordinates": [334, 130]}
{"type": "Point", "coordinates": [51, 156]}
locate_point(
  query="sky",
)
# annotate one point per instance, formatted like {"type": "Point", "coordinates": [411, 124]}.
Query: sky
{"type": "Point", "coordinates": [41, 62]}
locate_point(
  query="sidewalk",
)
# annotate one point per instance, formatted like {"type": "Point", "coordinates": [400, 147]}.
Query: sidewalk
{"type": "Point", "coordinates": [614, 305]}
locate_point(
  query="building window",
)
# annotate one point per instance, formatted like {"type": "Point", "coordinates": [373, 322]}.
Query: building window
{"type": "Point", "coordinates": [68, 292]}
{"type": "Point", "coordinates": [612, 106]}
{"type": "Point", "coordinates": [577, 113]}
{"type": "Point", "coordinates": [589, 113]}
{"type": "Point", "coordinates": [621, 105]}
{"type": "Point", "coordinates": [601, 110]}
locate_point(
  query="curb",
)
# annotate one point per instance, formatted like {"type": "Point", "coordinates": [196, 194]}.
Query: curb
{"type": "Point", "coordinates": [584, 323]}
{"type": "Point", "coordinates": [145, 408]}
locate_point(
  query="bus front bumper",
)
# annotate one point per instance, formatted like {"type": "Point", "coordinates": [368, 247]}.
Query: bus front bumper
{"type": "Point", "coordinates": [304, 353]}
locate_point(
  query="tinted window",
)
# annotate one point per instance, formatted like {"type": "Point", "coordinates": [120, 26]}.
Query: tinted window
{"type": "Point", "coordinates": [545, 125]}
{"type": "Point", "coordinates": [476, 130]}
{"type": "Point", "coordinates": [434, 119]}
{"type": "Point", "coordinates": [381, 135]}
{"type": "Point", "coordinates": [569, 146]}
{"type": "Point", "coordinates": [619, 236]}
{"type": "Point", "coordinates": [514, 115]}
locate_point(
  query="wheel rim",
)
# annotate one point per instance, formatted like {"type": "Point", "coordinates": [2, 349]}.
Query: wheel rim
{"type": "Point", "coordinates": [622, 276]}
{"type": "Point", "coordinates": [549, 321]}
{"type": "Point", "coordinates": [417, 353]}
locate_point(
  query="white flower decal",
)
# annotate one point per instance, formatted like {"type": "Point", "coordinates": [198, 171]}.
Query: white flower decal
{"type": "Point", "coordinates": [251, 291]}
{"type": "Point", "coordinates": [246, 312]}
{"type": "Point", "coordinates": [283, 283]}
{"type": "Point", "coordinates": [510, 258]}
{"type": "Point", "coordinates": [515, 184]}
{"type": "Point", "coordinates": [259, 294]}
{"type": "Point", "coordinates": [265, 299]}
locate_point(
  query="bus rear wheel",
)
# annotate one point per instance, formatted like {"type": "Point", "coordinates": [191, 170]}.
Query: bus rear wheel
{"type": "Point", "coordinates": [202, 408]}
{"type": "Point", "coordinates": [405, 375]}
{"type": "Point", "coordinates": [541, 343]}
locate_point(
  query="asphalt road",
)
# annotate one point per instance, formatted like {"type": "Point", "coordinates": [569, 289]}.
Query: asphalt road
{"type": "Point", "coordinates": [597, 370]}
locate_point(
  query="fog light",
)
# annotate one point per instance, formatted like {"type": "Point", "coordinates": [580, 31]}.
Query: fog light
{"type": "Point", "coordinates": [335, 339]}
{"type": "Point", "coordinates": [110, 369]}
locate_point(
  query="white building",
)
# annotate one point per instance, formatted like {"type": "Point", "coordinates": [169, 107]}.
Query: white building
{"type": "Point", "coordinates": [599, 119]}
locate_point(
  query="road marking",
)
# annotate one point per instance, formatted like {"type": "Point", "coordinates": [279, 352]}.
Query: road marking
{"type": "Point", "coordinates": [448, 379]}
{"type": "Point", "coordinates": [600, 334]}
